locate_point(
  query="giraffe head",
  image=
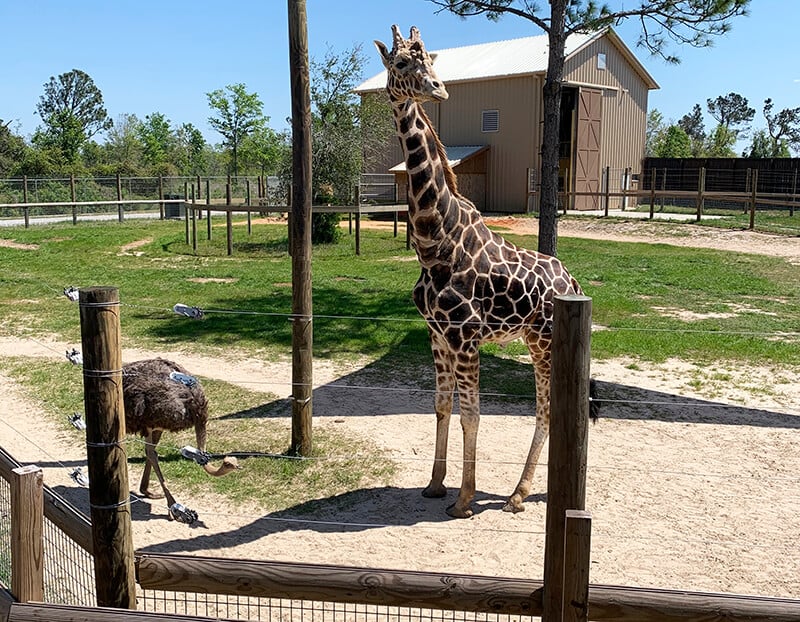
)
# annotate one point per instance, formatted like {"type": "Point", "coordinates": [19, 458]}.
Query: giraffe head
{"type": "Point", "coordinates": [410, 69]}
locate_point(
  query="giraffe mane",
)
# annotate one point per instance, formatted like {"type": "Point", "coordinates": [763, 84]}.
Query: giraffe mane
{"type": "Point", "coordinates": [449, 176]}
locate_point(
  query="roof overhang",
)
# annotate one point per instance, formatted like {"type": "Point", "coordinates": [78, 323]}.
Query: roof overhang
{"type": "Point", "coordinates": [455, 156]}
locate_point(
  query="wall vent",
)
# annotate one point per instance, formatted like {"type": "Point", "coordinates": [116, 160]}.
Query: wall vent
{"type": "Point", "coordinates": [490, 121]}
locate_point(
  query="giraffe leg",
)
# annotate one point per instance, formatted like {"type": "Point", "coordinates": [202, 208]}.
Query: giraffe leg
{"type": "Point", "coordinates": [445, 383]}
{"type": "Point", "coordinates": [468, 374]}
{"type": "Point", "coordinates": [541, 368]}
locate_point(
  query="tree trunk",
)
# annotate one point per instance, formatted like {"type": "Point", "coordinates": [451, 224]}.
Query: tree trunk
{"type": "Point", "coordinates": [548, 204]}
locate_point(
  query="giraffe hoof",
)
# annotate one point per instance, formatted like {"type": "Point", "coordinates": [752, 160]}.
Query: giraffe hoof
{"type": "Point", "coordinates": [457, 512]}
{"type": "Point", "coordinates": [514, 506]}
{"type": "Point", "coordinates": [434, 492]}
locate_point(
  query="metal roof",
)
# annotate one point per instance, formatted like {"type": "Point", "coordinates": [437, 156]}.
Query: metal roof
{"type": "Point", "coordinates": [498, 59]}
{"type": "Point", "coordinates": [455, 156]}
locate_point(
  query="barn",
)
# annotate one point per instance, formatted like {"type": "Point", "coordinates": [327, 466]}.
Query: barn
{"type": "Point", "coordinates": [491, 124]}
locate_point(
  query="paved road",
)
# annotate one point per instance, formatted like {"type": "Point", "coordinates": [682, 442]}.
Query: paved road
{"type": "Point", "coordinates": [48, 220]}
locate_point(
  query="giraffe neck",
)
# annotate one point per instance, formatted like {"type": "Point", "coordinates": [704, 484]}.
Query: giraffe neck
{"type": "Point", "coordinates": [433, 198]}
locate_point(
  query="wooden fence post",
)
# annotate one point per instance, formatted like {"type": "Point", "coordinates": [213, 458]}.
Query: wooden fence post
{"type": "Point", "coordinates": [120, 208]}
{"type": "Point", "coordinates": [701, 189]}
{"type": "Point", "coordinates": [74, 196]}
{"type": "Point", "coordinates": [652, 192]}
{"type": "Point", "coordinates": [794, 194]}
{"type": "Point", "coordinates": [208, 211]}
{"type": "Point", "coordinates": [185, 209]}
{"type": "Point", "coordinates": [358, 220]}
{"type": "Point", "coordinates": [569, 421]}
{"type": "Point", "coordinates": [161, 196]}
{"type": "Point", "coordinates": [577, 547]}
{"type": "Point", "coordinates": [626, 180]}
{"type": "Point", "coordinates": [753, 191]}
{"type": "Point", "coordinates": [247, 198]}
{"type": "Point", "coordinates": [27, 546]}
{"type": "Point", "coordinates": [229, 217]}
{"type": "Point", "coordinates": [25, 200]}
{"type": "Point", "coordinates": [606, 195]}
{"type": "Point", "coordinates": [109, 493]}
{"type": "Point", "coordinates": [194, 219]}
{"type": "Point", "coordinates": [663, 188]}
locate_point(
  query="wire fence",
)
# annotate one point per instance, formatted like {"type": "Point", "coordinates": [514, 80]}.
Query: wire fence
{"type": "Point", "coordinates": [68, 568]}
{"type": "Point", "coordinates": [288, 610]}
{"type": "Point", "coordinates": [68, 578]}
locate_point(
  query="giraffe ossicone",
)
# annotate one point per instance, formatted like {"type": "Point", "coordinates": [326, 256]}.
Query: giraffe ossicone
{"type": "Point", "coordinates": [474, 287]}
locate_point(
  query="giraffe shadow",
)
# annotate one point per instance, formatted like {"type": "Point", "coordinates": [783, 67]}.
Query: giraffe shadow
{"type": "Point", "coordinates": [350, 512]}
{"type": "Point", "coordinates": [620, 401]}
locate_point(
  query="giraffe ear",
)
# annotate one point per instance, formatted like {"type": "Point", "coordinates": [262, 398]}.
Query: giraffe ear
{"type": "Point", "coordinates": [384, 52]}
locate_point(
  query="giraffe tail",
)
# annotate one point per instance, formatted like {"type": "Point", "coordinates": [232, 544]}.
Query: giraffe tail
{"type": "Point", "coordinates": [594, 404]}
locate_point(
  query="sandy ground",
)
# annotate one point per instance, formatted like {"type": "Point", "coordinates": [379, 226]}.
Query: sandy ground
{"type": "Point", "coordinates": [688, 488]}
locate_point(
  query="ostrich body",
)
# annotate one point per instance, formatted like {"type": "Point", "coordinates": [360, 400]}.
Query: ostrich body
{"type": "Point", "coordinates": [155, 402]}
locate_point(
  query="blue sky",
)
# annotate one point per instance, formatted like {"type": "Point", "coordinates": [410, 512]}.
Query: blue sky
{"type": "Point", "coordinates": [164, 56]}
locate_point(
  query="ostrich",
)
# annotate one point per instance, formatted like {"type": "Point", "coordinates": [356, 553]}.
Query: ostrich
{"type": "Point", "coordinates": [156, 401]}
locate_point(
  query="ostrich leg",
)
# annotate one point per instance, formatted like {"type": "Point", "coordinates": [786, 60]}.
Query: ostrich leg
{"type": "Point", "coordinates": [152, 458]}
{"type": "Point", "coordinates": [150, 442]}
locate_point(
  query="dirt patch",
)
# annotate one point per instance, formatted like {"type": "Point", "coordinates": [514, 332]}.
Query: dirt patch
{"type": "Point", "coordinates": [128, 249]}
{"type": "Point", "coordinates": [687, 468]}
{"type": "Point", "coordinates": [18, 245]}
{"type": "Point", "coordinates": [200, 279]}
{"type": "Point", "coordinates": [685, 234]}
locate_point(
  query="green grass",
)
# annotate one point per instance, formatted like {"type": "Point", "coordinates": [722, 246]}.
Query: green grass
{"type": "Point", "coordinates": [363, 311]}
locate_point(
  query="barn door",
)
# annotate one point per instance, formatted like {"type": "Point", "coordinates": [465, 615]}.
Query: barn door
{"type": "Point", "coordinates": [587, 148]}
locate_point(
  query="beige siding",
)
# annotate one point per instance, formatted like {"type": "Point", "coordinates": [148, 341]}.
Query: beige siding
{"type": "Point", "coordinates": [515, 148]}
{"type": "Point", "coordinates": [624, 102]}
{"type": "Point", "coordinates": [512, 147]}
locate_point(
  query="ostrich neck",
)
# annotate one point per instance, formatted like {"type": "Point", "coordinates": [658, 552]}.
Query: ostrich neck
{"type": "Point", "coordinates": [432, 208]}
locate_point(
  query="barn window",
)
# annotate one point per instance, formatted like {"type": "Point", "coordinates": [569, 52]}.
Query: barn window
{"type": "Point", "coordinates": [601, 61]}
{"type": "Point", "coordinates": [490, 121]}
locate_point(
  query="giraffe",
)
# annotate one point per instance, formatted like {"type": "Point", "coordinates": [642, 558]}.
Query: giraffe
{"type": "Point", "coordinates": [474, 286]}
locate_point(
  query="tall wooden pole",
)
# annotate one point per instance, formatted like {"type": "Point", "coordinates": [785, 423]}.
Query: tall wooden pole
{"type": "Point", "coordinates": [300, 232]}
{"type": "Point", "coordinates": [109, 494]}
{"type": "Point", "coordinates": [569, 421]}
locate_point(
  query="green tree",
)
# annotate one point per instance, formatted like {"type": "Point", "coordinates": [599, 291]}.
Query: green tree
{"type": "Point", "coordinates": [721, 142]}
{"type": "Point", "coordinates": [673, 143]}
{"type": "Point", "coordinates": [762, 146]}
{"type": "Point", "coordinates": [192, 150]}
{"type": "Point", "coordinates": [344, 128]}
{"type": "Point", "coordinates": [12, 150]}
{"type": "Point", "coordinates": [655, 128]}
{"type": "Point", "coordinates": [123, 146]}
{"type": "Point", "coordinates": [158, 143]}
{"type": "Point", "coordinates": [238, 114]}
{"type": "Point", "coordinates": [690, 22]}
{"type": "Point", "coordinates": [265, 150]}
{"type": "Point", "coordinates": [63, 135]}
{"type": "Point", "coordinates": [730, 111]}
{"type": "Point", "coordinates": [72, 112]}
{"type": "Point", "coordinates": [783, 127]}
{"type": "Point", "coordinates": [694, 127]}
